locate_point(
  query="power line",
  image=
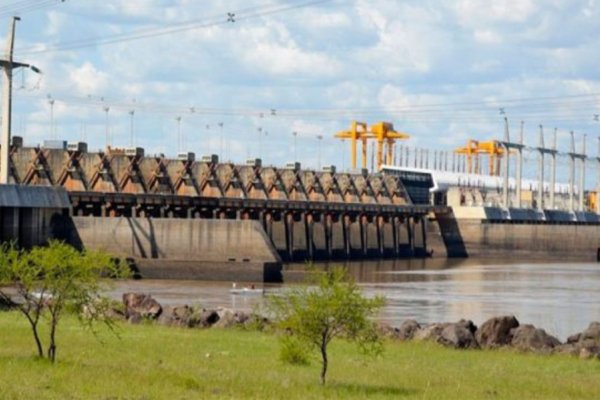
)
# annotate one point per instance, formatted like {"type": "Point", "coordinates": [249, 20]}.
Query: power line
{"type": "Point", "coordinates": [239, 15]}
{"type": "Point", "coordinates": [25, 6]}
{"type": "Point", "coordinates": [573, 105]}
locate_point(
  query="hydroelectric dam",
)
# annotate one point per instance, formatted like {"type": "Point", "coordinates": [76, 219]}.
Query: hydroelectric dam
{"type": "Point", "coordinates": [202, 219]}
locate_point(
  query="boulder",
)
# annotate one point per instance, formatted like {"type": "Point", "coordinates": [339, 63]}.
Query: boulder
{"type": "Point", "coordinates": [408, 329]}
{"type": "Point", "coordinates": [387, 331]}
{"type": "Point", "coordinates": [459, 335]}
{"type": "Point", "coordinates": [584, 345]}
{"type": "Point", "coordinates": [591, 333]}
{"type": "Point", "coordinates": [529, 338]}
{"type": "Point", "coordinates": [571, 349]}
{"type": "Point", "coordinates": [6, 303]}
{"type": "Point", "coordinates": [226, 318]}
{"type": "Point", "coordinates": [141, 304]}
{"type": "Point", "coordinates": [206, 318]}
{"type": "Point", "coordinates": [585, 349]}
{"type": "Point", "coordinates": [176, 316]}
{"type": "Point", "coordinates": [430, 332]}
{"type": "Point", "coordinates": [574, 338]}
{"type": "Point", "coordinates": [496, 332]}
{"type": "Point", "coordinates": [241, 318]}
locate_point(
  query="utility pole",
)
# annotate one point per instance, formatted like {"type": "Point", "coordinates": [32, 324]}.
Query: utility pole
{"type": "Point", "coordinates": [8, 65]}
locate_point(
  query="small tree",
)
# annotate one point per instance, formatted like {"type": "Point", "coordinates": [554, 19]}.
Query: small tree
{"type": "Point", "coordinates": [333, 307]}
{"type": "Point", "coordinates": [48, 280]}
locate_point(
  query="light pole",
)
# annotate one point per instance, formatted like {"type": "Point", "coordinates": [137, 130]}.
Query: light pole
{"type": "Point", "coordinates": [295, 134]}
{"type": "Point", "coordinates": [259, 130]}
{"type": "Point", "coordinates": [106, 110]}
{"type": "Point", "coordinates": [179, 138]}
{"type": "Point", "coordinates": [221, 149]}
{"type": "Point", "coordinates": [208, 135]}
{"type": "Point", "coordinates": [319, 138]}
{"type": "Point", "coordinates": [51, 102]}
{"type": "Point", "coordinates": [131, 135]}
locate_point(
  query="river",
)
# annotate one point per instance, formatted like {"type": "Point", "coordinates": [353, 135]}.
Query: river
{"type": "Point", "coordinates": [562, 298]}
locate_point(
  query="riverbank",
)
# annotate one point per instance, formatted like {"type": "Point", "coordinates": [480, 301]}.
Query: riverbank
{"type": "Point", "coordinates": [156, 362]}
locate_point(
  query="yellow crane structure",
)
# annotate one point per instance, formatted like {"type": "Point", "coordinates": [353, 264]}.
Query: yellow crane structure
{"type": "Point", "coordinates": [382, 132]}
{"type": "Point", "coordinates": [492, 148]}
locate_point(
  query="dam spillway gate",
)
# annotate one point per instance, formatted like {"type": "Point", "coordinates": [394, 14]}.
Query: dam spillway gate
{"type": "Point", "coordinates": [306, 215]}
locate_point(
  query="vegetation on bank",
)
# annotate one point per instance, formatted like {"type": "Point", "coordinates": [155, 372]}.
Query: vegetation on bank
{"type": "Point", "coordinates": [311, 317]}
{"type": "Point", "coordinates": [54, 279]}
{"type": "Point", "coordinates": [156, 362]}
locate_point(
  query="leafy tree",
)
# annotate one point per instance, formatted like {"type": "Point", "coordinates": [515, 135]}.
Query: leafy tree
{"type": "Point", "coordinates": [53, 279]}
{"type": "Point", "coordinates": [333, 307]}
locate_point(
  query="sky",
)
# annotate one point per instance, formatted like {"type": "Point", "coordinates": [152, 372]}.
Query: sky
{"type": "Point", "coordinates": [188, 76]}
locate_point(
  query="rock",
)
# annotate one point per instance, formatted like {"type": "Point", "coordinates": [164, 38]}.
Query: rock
{"type": "Point", "coordinates": [459, 335]}
{"type": "Point", "coordinates": [226, 318]}
{"type": "Point", "coordinates": [495, 331]}
{"type": "Point", "coordinates": [176, 316]}
{"type": "Point", "coordinates": [430, 332]}
{"type": "Point", "coordinates": [6, 303]}
{"type": "Point", "coordinates": [591, 333]}
{"type": "Point", "coordinates": [529, 338]}
{"type": "Point", "coordinates": [134, 318]}
{"type": "Point", "coordinates": [567, 349]}
{"type": "Point", "coordinates": [241, 318]}
{"type": "Point", "coordinates": [574, 338]}
{"type": "Point", "coordinates": [142, 304]}
{"type": "Point", "coordinates": [408, 329]}
{"type": "Point", "coordinates": [387, 331]}
{"type": "Point", "coordinates": [587, 348]}
{"type": "Point", "coordinates": [207, 318]}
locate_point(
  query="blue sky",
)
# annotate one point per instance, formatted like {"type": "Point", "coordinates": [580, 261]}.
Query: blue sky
{"type": "Point", "coordinates": [439, 70]}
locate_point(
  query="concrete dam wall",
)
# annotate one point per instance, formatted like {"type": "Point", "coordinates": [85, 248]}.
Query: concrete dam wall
{"type": "Point", "coordinates": [520, 241]}
{"type": "Point", "coordinates": [180, 248]}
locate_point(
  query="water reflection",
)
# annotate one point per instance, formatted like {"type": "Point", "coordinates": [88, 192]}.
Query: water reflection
{"type": "Point", "coordinates": [561, 298]}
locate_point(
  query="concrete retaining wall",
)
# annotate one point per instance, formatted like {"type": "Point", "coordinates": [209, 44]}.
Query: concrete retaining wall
{"type": "Point", "coordinates": [177, 239]}
{"type": "Point", "coordinates": [526, 241]}
{"type": "Point", "coordinates": [180, 248]}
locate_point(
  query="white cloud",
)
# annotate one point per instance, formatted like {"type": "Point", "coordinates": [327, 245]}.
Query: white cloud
{"type": "Point", "coordinates": [353, 56]}
{"type": "Point", "coordinates": [87, 79]}
{"type": "Point", "coordinates": [487, 36]}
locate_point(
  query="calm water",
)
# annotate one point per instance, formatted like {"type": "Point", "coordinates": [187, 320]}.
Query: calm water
{"type": "Point", "coordinates": [561, 298]}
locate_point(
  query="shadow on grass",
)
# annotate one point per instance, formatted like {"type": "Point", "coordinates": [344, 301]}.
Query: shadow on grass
{"type": "Point", "coordinates": [368, 390]}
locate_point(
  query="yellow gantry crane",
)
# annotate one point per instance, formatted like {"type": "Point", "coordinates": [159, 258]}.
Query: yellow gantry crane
{"type": "Point", "coordinates": [382, 132]}
{"type": "Point", "coordinates": [474, 148]}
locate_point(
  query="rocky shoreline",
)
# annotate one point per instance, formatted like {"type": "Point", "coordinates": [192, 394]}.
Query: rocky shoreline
{"type": "Point", "coordinates": [496, 332]}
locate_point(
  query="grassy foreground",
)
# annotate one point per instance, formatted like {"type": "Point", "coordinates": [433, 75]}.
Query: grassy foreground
{"type": "Point", "coordinates": [152, 362]}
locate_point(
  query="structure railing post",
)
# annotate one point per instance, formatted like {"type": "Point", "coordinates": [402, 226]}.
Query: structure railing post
{"type": "Point", "coordinates": [541, 150]}
{"type": "Point", "coordinates": [572, 173]}
{"type": "Point", "coordinates": [582, 175]}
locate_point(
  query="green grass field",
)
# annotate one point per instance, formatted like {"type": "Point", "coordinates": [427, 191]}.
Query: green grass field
{"type": "Point", "coordinates": [152, 362]}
